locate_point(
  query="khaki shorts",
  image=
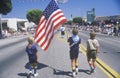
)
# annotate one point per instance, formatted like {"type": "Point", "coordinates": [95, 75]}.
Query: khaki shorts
{"type": "Point", "coordinates": [91, 54]}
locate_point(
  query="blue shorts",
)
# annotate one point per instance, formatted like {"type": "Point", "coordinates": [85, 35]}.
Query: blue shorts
{"type": "Point", "coordinates": [74, 54]}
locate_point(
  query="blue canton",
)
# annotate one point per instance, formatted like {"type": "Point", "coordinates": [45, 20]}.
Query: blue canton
{"type": "Point", "coordinates": [50, 9]}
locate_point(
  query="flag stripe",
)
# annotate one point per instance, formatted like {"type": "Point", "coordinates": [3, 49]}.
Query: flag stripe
{"type": "Point", "coordinates": [46, 40]}
{"type": "Point", "coordinates": [40, 26]}
{"type": "Point", "coordinates": [40, 22]}
{"type": "Point", "coordinates": [52, 18]}
{"type": "Point", "coordinates": [53, 15]}
{"type": "Point", "coordinates": [49, 20]}
{"type": "Point", "coordinates": [62, 21]}
{"type": "Point", "coordinates": [49, 42]}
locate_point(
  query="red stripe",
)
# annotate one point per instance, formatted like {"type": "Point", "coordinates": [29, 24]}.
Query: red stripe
{"type": "Point", "coordinates": [50, 29]}
{"type": "Point", "coordinates": [46, 27]}
{"type": "Point", "coordinates": [61, 22]}
{"type": "Point", "coordinates": [50, 32]}
{"type": "Point", "coordinates": [49, 20]}
{"type": "Point", "coordinates": [49, 42]}
{"type": "Point", "coordinates": [41, 21]}
{"type": "Point", "coordinates": [41, 29]}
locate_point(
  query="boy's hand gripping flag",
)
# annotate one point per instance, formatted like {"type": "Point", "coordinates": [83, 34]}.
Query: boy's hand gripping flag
{"type": "Point", "coordinates": [52, 18]}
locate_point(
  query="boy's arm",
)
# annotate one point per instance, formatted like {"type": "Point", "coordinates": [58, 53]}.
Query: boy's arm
{"type": "Point", "coordinates": [37, 55]}
{"type": "Point", "coordinates": [87, 46]}
{"type": "Point", "coordinates": [97, 46]}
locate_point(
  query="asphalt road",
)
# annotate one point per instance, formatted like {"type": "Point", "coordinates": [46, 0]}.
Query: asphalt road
{"type": "Point", "coordinates": [109, 50]}
{"type": "Point", "coordinates": [55, 62]}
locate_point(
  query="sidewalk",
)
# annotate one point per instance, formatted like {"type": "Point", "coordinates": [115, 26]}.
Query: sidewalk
{"type": "Point", "coordinates": [12, 40]}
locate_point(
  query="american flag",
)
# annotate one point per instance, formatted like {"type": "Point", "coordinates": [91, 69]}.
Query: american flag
{"type": "Point", "coordinates": [51, 19]}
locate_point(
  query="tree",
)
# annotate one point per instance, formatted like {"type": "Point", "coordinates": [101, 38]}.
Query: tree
{"type": "Point", "coordinates": [77, 20]}
{"type": "Point", "coordinates": [34, 15]}
{"type": "Point", "coordinates": [70, 22]}
{"type": "Point", "coordinates": [5, 6]}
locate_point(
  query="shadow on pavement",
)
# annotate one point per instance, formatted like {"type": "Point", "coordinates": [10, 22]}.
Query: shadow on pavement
{"type": "Point", "coordinates": [85, 71]}
{"type": "Point", "coordinates": [68, 73]}
{"type": "Point", "coordinates": [60, 72]}
{"type": "Point", "coordinates": [40, 66]}
{"type": "Point", "coordinates": [23, 74]}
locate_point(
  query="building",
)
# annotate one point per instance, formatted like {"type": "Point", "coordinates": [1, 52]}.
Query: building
{"type": "Point", "coordinates": [91, 16]}
{"type": "Point", "coordinates": [13, 23]}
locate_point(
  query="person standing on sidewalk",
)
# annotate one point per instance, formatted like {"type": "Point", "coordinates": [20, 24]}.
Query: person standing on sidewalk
{"type": "Point", "coordinates": [74, 42]}
{"type": "Point", "coordinates": [92, 50]}
{"type": "Point", "coordinates": [31, 50]}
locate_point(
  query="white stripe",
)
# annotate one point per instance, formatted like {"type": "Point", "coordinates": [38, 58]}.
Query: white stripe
{"type": "Point", "coordinates": [51, 16]}
{"type": "Point", "coordinates": [58, 10]}
{"type": "Point", "coordinates": [49, 26]}
{"type": "Point", "coordinates": [49, 36]}
{"type": "Point", "coordinates": [58, 15]}
{"type": "Point", "coordinates": [40, 34]}
{"type": "Point", "coordinates": [57, 21]}
{"type": "Point", "coordinates": [41, 25]}
{"type": "Point", "coordinates": [43, 39]}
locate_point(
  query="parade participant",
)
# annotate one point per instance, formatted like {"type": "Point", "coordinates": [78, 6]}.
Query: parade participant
{"type": "Point", "coordinates": [92, 50]}
{"type": "Point", "coordinates": [62, 31]}
{"type": "Point", "coordinates": [74, 42]}
{"type": "Point", "coordinates": [31, 50]}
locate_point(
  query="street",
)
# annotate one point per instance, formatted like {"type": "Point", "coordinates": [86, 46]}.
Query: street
{"type": "Point", "coordinates": [55, 62]}
{"type": "Point", "coordinates": [109, 50]}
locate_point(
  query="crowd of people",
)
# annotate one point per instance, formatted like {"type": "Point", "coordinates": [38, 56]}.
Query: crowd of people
{"type": "Point", "coordinates": [109, 29]}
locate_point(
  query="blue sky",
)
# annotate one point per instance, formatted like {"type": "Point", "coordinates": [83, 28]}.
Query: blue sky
{"type": "Point", "coordinates": [74, 7]}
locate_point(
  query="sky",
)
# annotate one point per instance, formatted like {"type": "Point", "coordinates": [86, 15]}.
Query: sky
{"type": "Point", "coordinates": [76, 8]}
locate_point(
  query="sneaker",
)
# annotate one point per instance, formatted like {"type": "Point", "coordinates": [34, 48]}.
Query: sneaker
{"type": "Point", "coordinates": [36, 74]}
{"type": "Point", "coordinates": [92, 70]}
{"type": "Point", "coordinates": [30, 72]}
{"type": "Point", "coordinates": [76, 70]}
{"type": "Point", "coordinates": [73, 74]}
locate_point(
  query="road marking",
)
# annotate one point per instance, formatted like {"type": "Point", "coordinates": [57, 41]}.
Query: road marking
{"type": "Point", "coordinates": [103, 66]}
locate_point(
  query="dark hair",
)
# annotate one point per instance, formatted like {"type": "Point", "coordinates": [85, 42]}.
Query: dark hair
{"type": "Point", "coordinates": [75, 31]}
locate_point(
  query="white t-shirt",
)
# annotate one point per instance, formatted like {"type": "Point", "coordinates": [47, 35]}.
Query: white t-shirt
{"type": "Point", "coordinates": [62, 28]}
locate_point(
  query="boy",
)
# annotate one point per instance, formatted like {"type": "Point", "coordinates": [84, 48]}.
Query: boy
{"type": "Point", "coordinates": [31, 50]}
{"type": "Point", "coordinates": [74, 42]}
{"type": "Point", "coordinates": [92, 50]}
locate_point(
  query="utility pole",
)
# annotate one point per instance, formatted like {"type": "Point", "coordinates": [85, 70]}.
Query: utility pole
{"type": "Point", "coordinates": [1, 24]}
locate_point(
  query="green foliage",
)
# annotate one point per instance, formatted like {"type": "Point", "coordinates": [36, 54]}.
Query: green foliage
{"type": "Point", "coordinates": [70, 22]}
{"type": "Point", "coordinates": [5, 6]}
{"type": "Point", "coordinates": [77, 20]}
{"type": "Point", "coordinates": [34, 15]}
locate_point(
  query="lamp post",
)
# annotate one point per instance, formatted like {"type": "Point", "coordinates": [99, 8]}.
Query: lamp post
{"type": "Point", "coordinates": [1, 24]}
{"type": "Point", "coordinates": [117, 24]}
{"type": "Point", "coordinates": [117, 28]}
